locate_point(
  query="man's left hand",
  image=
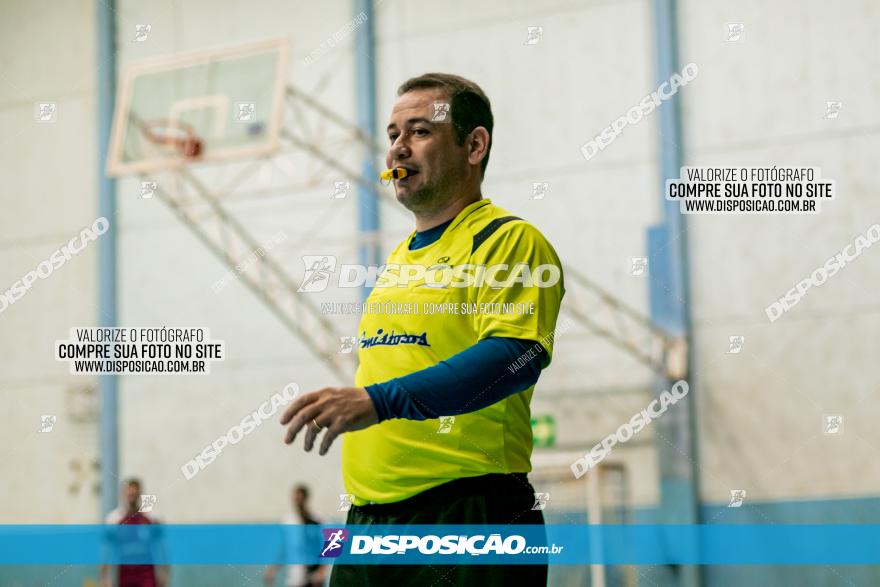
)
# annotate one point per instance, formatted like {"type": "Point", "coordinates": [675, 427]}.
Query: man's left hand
{"type": "Point", "coordinates": [335, 409]}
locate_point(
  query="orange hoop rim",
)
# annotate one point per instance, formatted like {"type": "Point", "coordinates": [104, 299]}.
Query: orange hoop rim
{"type": "Point", "coordinates": [175, 134]}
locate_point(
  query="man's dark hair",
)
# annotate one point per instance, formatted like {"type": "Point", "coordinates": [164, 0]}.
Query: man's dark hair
{"type": "Point", "coordinates": [133, 481]}
{"type": "Point", "coordinates": [468, 104]}
{"type": "Point", "coordinates": [304, 489]}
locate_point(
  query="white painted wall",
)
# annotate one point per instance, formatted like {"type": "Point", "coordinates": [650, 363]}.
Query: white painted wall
{"type": "Point", "coordinates": [760, 102]}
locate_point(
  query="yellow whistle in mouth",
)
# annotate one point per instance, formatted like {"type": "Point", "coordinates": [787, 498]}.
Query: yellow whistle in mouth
{"type": "Point", "coordinates": [396, 173]}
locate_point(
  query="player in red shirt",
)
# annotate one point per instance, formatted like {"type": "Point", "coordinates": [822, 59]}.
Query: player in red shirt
{"type": "Point", "coordinates": [129, 512]}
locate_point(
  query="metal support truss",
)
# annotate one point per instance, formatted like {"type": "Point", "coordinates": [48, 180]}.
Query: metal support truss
{"type": "Point", "coordinates": [230, 241]}
{"type": "Point", "coordinates": [611, 319]}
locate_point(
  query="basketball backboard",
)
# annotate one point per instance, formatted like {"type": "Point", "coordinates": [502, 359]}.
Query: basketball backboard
{"type": "Point", "coordinates": [213, 105]}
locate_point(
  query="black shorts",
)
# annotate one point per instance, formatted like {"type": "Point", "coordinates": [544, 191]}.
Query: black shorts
{"type": "Point", "coordinates": [488, 499]}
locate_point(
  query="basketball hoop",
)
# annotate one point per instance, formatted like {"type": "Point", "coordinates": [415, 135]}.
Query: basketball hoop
{"type": "Point", "coordinates": [179, 136]}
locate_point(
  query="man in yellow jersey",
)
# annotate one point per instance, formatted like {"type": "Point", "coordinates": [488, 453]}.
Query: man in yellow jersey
{"type": "Point", "coordinates": [453, 337]}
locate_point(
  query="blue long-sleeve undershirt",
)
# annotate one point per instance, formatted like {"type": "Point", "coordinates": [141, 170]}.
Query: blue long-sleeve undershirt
{"type": "Point", "coordinates": [471, 380]}
{"type": "Point", "coordinates": [426, 237]}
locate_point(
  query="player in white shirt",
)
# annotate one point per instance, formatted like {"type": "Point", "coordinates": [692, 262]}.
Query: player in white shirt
{"type": "Point", "coordinates": [299, 575]}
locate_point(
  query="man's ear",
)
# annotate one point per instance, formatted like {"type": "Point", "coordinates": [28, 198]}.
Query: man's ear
{"type": "Point", "coordinates": [478, 145]}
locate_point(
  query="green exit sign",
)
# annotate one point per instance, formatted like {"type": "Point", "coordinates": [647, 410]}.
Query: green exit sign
{"type": "Point", "coordinates": [543, 431]}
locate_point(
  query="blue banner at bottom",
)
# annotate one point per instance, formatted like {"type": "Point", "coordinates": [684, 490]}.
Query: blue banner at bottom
{"type": "Point", "coordinates": [568, 544]}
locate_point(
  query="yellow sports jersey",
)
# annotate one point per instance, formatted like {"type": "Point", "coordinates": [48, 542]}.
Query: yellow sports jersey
{"type": "Point", "coordinates": [489, 274]}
